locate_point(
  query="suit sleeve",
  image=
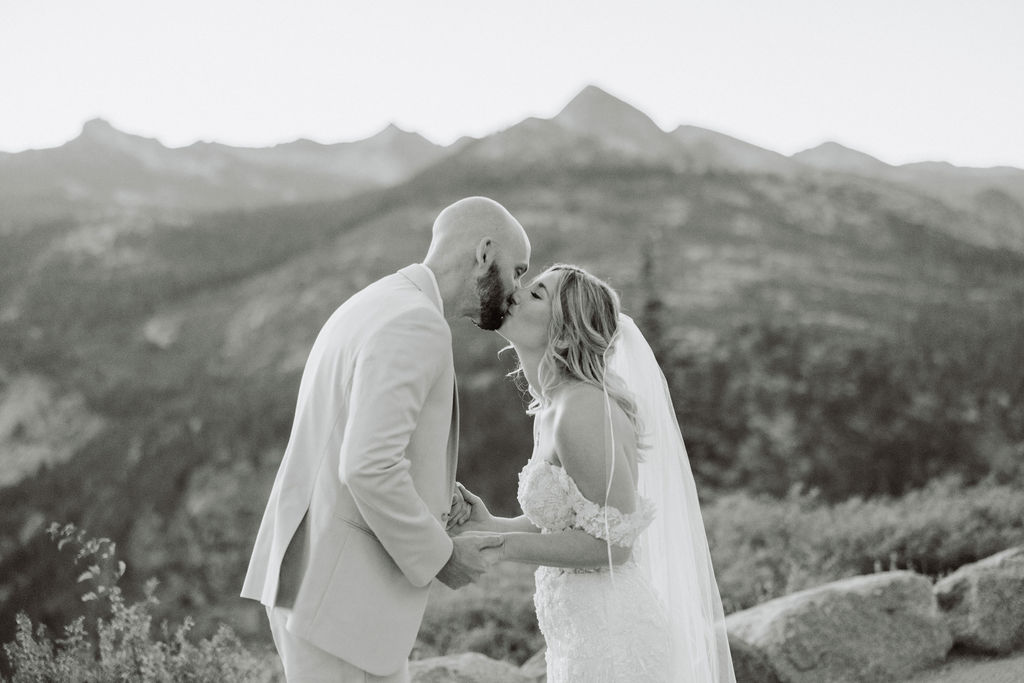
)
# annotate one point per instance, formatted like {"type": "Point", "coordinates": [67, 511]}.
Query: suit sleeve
{"type": "Point", "coordinates": [393, 375]}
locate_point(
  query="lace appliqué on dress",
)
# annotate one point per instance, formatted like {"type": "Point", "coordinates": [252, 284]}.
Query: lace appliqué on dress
{"type": "Point", "coordinates": [556, 504]}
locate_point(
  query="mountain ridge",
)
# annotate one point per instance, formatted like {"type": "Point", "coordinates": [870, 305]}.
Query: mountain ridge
{"type": "Point", "coordinates": [585, 98]}
{"type": "Point", "coordinates": [104, 169]}
{"type": "Point", "coordinates": [594, 128]}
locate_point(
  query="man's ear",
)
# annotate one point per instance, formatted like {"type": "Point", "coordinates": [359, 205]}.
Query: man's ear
{"type": "Point", "coordinates": [485, 252]}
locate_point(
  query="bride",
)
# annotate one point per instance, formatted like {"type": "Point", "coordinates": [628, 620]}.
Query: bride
{"type": "Point", "coordinates": [625, 588]}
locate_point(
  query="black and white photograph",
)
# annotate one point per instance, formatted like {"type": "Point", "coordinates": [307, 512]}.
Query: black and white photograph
{"type": "Point", "coordinates": [449, 341]}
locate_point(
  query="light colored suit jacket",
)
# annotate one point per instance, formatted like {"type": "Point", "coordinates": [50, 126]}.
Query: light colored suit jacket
{"type": "Point", "coordinates": [366, 481]}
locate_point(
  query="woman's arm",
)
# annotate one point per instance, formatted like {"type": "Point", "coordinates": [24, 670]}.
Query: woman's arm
{"type": "Point", "coordinates": [520, 524]}
{"type": "Point", "coordinates": [574, 549]}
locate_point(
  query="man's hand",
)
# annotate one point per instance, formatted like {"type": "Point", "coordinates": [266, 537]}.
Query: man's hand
{"type": "Point", "coordinates": [472, 555]}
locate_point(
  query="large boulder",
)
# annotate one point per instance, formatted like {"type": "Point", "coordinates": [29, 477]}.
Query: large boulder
{"type": "Point", "coordinates": [469, 667]}
{"type": "Point", "coordinates": [750, 664]}
{"type": "Point", "coordinates": [867, 629]}
{"type": "Point", "coordinates": [983, 603]}
{"type": "Point", "coordinates": [536, 667]}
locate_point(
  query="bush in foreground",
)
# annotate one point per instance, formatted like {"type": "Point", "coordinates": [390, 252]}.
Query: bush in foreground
{"type": "Point", "coordinates": [118, 643]}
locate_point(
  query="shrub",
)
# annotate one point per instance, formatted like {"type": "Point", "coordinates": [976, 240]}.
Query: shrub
{"type": "Point", "coordinates": [764, 548]}
{"type": "Point", "coordinates": [118, 644]}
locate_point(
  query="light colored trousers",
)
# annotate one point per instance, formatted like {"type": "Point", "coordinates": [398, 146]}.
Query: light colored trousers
{"type": "Point", "coordinates": [306, 663]}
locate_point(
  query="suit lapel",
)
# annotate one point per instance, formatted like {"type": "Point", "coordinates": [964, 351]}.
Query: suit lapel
{"type": "Point", "coordinates": [453, 441]}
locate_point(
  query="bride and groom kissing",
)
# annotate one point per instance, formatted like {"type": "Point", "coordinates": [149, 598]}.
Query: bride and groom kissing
{"type": "Point", "coordinates": [365, 511]}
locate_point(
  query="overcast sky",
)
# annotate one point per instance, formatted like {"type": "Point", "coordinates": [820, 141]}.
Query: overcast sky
{"type": "Point", "coordinates": [904, 80]}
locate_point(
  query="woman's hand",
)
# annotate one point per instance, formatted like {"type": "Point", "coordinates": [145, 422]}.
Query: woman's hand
{"type": "Point", "coordinates": [474, 517]}
{"type": "Point", "coordinates": [460, 511]}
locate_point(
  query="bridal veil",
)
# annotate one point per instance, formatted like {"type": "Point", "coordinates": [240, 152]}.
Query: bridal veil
{"type": "Point", "coordinates": [674, 550]}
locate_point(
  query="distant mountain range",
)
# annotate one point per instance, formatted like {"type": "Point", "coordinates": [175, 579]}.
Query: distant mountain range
{"type": "Point", "coordinates": [104, 170]}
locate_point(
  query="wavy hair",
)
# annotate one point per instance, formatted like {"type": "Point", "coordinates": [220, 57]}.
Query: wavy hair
{"type": "Point", "coordinates": [584, 322]}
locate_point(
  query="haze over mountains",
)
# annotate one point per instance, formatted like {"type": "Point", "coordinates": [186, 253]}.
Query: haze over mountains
{"type": "Point", "coordinates": [104, 170]}
{"type": "Point", "coordinates": [157, 305]}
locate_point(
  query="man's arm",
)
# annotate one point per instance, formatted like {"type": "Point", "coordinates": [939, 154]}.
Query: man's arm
{"type": "Point", "coordinates": [393, 375]}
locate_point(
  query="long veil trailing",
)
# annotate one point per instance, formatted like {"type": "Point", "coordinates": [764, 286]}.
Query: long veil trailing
{"type": "Point", "coordinates": [674, 550]}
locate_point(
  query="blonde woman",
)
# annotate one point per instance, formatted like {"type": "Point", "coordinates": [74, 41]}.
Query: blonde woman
{"type": "Point", "coordinates": [625, 589]}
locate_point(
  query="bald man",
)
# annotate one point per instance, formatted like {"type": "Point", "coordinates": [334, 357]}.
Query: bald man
{"type": "Point", "coordinates": [354, 531]}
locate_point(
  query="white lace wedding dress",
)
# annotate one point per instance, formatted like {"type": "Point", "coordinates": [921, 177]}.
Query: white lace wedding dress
{"type": "Point", "coordinates": [601, 626]}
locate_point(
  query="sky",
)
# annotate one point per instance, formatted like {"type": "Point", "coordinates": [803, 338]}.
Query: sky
{"type": "Point", "coordinates": [903, 80]}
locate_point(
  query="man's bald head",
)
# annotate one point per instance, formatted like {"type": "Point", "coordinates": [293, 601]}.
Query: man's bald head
{"type": "Point", "coordinates": [461, 226]}
{"type": "Point", "coordinates": [477, 245]}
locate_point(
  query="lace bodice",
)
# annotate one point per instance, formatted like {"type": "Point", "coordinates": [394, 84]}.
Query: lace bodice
{"type": "Point", "coordinates": [551, 500]}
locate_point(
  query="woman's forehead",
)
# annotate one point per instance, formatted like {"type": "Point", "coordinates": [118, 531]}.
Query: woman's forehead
{"type": "Point", "coordinates": [548, 278]}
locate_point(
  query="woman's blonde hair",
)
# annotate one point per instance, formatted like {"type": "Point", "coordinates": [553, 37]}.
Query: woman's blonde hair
{"type": "Point", "coordinates": [584, 322]}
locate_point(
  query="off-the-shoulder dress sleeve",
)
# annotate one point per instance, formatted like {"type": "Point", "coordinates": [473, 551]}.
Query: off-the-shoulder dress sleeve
{"type": "Point", "coordinates": [605, 521]}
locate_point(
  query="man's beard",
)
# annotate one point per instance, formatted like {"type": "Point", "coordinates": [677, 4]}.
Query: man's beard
{"type": "Point", "coordinates": [493, 299]}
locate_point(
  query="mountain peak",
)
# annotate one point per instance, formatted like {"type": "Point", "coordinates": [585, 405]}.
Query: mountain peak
{"type": "Point", "coordinates": [832, 156]}
{"type": "Point", "coordinates": [833, 147]}
{"type": "Point", "coordinates": [594, 112]}
{"type": "Point", "coordinates": [392, 132]}
{"type": "Point", "coordinates": [400, 141]}
{"type": "Point", "coordinates": [300, 143]}
{"type": "Point", "coordinates": [101, 132]}
{"type": "Point", "coordinates": [97, 125]}
{"type": "Point", "coordinates": [593, 102]}
{"type": "Point", "coordinates": [594, 93]}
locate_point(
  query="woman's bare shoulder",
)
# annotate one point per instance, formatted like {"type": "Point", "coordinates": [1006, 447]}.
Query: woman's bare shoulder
{"type": "Point", "coordinates": [581, 434]}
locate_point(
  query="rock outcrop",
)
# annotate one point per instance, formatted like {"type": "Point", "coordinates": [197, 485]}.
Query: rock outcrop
{"type": "Point", "coordinates": [536, 667]}
{"type": "Point", "coordinates": [749, 663]}
{"type": "Point", "coordinates": [983, 603]}
{"type": "Point", "coordinates": [880, 627]}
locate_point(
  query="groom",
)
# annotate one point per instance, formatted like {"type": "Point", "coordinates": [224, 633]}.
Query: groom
{"type": "Point", "coordinates": [354, 530]}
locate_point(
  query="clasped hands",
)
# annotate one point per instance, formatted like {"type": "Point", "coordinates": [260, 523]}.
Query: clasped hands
{"type": "Point", "coordinates": [475, 549]}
